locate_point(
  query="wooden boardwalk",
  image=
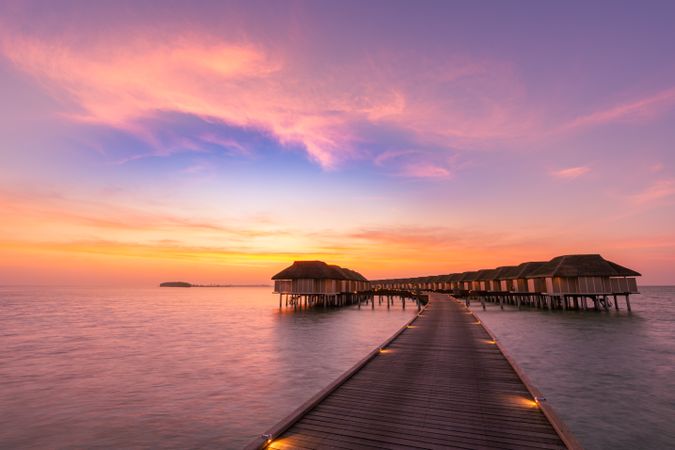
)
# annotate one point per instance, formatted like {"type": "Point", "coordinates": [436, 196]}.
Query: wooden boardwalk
{"type": "Point", "coordinates": [441, 383]}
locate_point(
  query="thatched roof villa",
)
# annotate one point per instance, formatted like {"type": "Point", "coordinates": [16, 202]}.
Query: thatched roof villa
{"type": "Point", "coordinates": [584, 274]}
{"type": "Point", "coordinates": [317, 277]}
{"type": "Point", "coordinates": [518, 276]}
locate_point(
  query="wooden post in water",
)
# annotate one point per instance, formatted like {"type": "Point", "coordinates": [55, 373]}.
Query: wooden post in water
{"type": "Point", "coordinates": [628, 301]}
{"type": "Point", "coordinates": [501, 303]}
{"type": "Point", "coordinates": [616, 303]}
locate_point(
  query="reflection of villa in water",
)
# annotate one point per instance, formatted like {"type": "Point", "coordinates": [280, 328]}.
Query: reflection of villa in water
{"type": "Point", "coordinates": [564, 282]}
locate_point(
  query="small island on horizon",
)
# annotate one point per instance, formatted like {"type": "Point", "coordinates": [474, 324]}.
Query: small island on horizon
{"type": "Point", "coordinates": [185, 284]}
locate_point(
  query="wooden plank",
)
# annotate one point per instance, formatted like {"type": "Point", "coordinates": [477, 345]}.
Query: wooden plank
{"type": "Point", "coordinates": [442, 382]}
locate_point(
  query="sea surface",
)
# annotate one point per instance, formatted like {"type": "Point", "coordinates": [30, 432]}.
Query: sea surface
{"type": "Point", "coordinates": [609, 375]}
{"type": "Point", "coordinates": [214, 367]}
{"type": "Point", "coordinates": [175, 368]}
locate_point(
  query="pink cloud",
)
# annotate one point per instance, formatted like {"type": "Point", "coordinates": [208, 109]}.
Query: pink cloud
{"type": "Point", "coordinates": [424, 170]}
{"type": "Point", "coordinates": [634, 110]}
{"type": "Point", "coordinates": [656, 167]}
{"type": "Point", "coordinates": [657, 191]}
{"type": "Point", "coordinates": [571, 172]}
{"type": "Point", "coordinates": [242, 84]}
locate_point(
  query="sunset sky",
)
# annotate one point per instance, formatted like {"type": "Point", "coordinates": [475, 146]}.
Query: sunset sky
{"type": "Point", "coordinates": [210, 142]}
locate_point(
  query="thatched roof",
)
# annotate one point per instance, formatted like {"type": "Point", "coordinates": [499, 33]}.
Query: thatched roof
{"type": "Point", "coordinates": [486, 274]}
{"type": "Point", "coordinates": [317, 270]}
{"type": "Point", "coordinates": [523, 270]}
{"type": "Point", "coordinates": [509, 273]}
{"type": "Point", "coordinates": [498, 273]}
{"type": "Point", "coordinates": [455, 276]}
{"type": "Point", "coordinates": [581, 266]}
{"type": "Point", "coordinates": [341, 270]}
{"type": "Point", "coordinates": [473, 276]}
{"type": "Point", "coordinates": [467, 276]}
{"type": "Point", "coordinates": [353, 274]}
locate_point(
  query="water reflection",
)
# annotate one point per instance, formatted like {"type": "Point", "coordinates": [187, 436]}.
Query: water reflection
{"type": "Point", "coordinates": [609, 375]}
{"type": "Point", "coordinates": [169, 368]}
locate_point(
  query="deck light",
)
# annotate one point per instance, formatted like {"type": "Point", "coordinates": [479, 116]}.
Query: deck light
{"type": "Point", "coordinates": [267, 437]}
{"type": "Point", "coordinates": [538, 400]}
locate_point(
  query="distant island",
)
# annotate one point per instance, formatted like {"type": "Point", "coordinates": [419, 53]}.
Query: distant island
{"type": "Point", "coordinates": [175, 284]}
{"type": "Point", "coordinates": [184, 284]}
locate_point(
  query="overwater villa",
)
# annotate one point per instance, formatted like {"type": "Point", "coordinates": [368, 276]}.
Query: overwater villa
{"type": "Point", "coordinates": [567, 281]}
{"type": "Point", "coordinates": [315, 282]}
{"type": "Point", "coordinates": [577, 277]}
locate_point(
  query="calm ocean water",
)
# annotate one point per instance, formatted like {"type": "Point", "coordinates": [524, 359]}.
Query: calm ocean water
{"type": "Point", "coordinates": [609, 375]}
{"type": "Point", "coordinates": [211, 368]}
{"type": "Point", "coordinates": [167, 367]}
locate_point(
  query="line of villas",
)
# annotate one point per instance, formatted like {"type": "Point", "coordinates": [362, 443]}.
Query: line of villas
{"type": "Point", "coordinates": [565, 282]}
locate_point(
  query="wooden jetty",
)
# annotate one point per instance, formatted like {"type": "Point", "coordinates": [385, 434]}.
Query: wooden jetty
{"type": "Point", "coordinates": [442, 381]}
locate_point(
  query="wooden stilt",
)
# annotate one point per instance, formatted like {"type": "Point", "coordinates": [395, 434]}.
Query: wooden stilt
{"type": "Point", "coordinates": [616, 303]}
{"type": "Point", "coordinates": [628, 302]}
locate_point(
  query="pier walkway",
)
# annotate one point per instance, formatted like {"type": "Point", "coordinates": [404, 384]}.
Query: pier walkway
{"type": "Point", "coordinates": [441, 382]}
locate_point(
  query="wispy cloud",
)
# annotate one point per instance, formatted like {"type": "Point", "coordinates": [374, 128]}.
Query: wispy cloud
{"type": "Point", "coordinates": [639, 109]}
{"type": "Point", "coordinates": [658, 191]}
{"type": "Point", "coordinates": [656, 167]}
{"type": "Point", "coordinates": [571, 172]}
{"type": "Point", "coordinates": [424, 170]}
{"type": "Point", "coordinates": [330, 113]}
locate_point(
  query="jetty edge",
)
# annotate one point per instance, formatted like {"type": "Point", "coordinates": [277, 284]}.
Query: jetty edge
{"type": "Point", "coordinates": [440, 383]}
{"type": "Point", "coordinates": [558, 424]}
{"type": "Point", "coordinates": [277, 430]}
